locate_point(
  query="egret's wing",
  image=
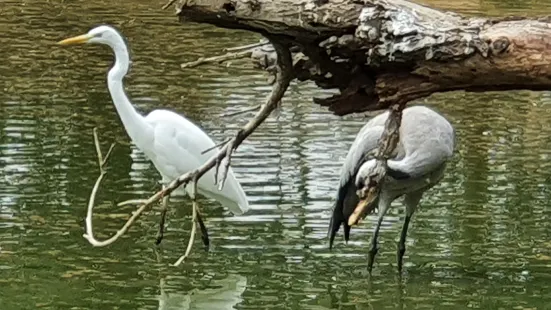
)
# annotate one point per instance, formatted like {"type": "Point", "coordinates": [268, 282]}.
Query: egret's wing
{"type": "Point", "coordinates": [178, 143]}
{"type": "Point", "coordinates": [365, 142]}
{"type": "Point", "coordinates": [178, 148]}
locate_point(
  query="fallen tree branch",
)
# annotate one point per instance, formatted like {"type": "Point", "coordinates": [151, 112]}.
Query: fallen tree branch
{"type": "Point", "coordinates": [284, 77]}
{"type": "Point", "coordinates": [378, 53]}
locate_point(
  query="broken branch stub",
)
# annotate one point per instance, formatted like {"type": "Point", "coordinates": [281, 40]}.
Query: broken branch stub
{"type": "Point", "coordinates": [378, 53]}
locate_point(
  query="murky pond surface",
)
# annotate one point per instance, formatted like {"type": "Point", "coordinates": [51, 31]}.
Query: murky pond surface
{"type": "Point", "coordinates": [480, 240]}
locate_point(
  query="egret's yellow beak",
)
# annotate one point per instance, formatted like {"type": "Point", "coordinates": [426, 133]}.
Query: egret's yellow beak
{"type": "Point", "coordinates": [76, 40]}
{"type": "Point", "coordinates": [363, 208]}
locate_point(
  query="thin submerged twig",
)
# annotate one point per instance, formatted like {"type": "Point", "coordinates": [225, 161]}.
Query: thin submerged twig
{"type": "Point", "coordinates": [194, 224]}
{"type": "Point", "coordinates": [89, 235]}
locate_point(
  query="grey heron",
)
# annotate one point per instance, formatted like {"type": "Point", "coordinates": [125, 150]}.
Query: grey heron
{"type": "Point", "coordinates": [427, 142]}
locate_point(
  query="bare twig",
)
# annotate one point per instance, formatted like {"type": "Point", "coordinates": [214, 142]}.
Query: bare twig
{"type": "Point", "coordinates": [132, 202]}
{"type": "Point", "coordinates": [246, 47]}
{"type": "Point", "coordinates": [101, 160]}
{"type": "Point", "coordinates": [284, 76]}
{"type": "Point", "coordinates": [219, 59]}
{"type": "Point", "coordinates": [169, 3]}
{"type": "Point", "coordinates": [255, 108]}
{"type": "Point", "coordinates": [89, 235]}
{"type": "Point", "coordinates": [232, 53]}
{"type": "Point", "coordinates": [215, 146]}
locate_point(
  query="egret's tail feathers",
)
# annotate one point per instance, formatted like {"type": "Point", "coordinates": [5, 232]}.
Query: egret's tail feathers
{"type": "Point", "coordinates": [236, 207]}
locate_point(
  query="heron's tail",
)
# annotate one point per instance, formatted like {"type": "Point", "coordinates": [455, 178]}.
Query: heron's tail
{"type": "Point", "coordinates": [335, 224]}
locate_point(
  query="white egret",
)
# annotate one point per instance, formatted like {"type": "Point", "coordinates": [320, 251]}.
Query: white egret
{"type": "Point", "coordinates": [427, 142]}
{"type": "Point", "coordinates": [173, 143]}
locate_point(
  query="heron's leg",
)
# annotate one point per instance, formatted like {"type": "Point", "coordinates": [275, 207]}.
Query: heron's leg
{"type": "Point", "coordinates": [411, 202]}
{"type": "Point", "coordinates": [164, 208]}
{"type": "Point", "coordinates": [384, 203]}
{"type": "Point", "coordinates": [374, 248]}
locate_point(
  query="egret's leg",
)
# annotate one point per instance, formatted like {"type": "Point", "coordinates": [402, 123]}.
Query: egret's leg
{"type": "Point", "coordinates": [199, 221]}
{"type": "Point", "coordinates": [164, 208]}
{"type": "Point", "coordinates": [384, 203]}
{"type": "Point", "coordinates": [411, 202]}
{"type": "Point", "coordinates": [204, 231]}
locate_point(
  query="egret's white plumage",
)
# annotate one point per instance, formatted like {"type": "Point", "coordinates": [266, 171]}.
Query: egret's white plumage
{"type": "Point", "coordinates": [173, 143]}
{"type": "Point", "coordinates": [427, 142]}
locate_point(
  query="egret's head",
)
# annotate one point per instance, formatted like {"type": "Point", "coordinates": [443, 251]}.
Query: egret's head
{"type": "Point", "coordinates": [101, 35]}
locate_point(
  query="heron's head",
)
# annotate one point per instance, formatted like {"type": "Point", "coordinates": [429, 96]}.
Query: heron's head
{"type": "Point", "coordinates": [100, 35]}
{"type": "Point", "coordinates": [367, 203]}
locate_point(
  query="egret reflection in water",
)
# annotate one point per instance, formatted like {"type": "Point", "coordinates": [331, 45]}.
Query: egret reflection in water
{"type": "Point", "coordinates": [222, 294]}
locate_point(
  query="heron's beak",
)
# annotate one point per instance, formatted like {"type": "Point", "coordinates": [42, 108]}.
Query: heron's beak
{"type": "Point", "coordinates": [76, 40]}
{"type": "Point", "coordinates": [364, 207]}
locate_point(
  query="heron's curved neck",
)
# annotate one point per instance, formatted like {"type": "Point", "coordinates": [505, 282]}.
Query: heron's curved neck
{"type": "Point", "coordinates": [133, 122]}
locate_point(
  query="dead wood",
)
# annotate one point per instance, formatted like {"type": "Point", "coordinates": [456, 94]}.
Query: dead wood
{"type": "Point", "coordinates": [378, 53]}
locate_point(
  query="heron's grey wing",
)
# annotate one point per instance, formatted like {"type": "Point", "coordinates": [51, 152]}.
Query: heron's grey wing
{"type": "Point", "coordinates": [346, 201]}
{"type": "Point", "coordinates": [428, 141]}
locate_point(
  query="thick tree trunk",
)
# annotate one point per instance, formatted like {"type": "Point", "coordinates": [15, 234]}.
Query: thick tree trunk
{"type": "Point", "coordinates": [378, 53]}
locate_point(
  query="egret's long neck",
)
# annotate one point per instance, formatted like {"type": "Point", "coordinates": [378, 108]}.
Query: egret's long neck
{"type": "Point", "coordinates": [134, 122]}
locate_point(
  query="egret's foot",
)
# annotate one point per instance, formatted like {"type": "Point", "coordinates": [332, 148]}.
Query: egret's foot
{"type": "Point", "coordinates": [160, 232]}
{"type": "Point", "coordinates": [164, 208]}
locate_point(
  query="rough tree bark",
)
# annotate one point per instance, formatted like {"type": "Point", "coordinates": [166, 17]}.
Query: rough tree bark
{"type": "Point", "coordinates": [381, 53]}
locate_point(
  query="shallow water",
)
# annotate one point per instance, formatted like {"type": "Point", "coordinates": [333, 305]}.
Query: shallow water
{"type": "Point", "coordinates": [480, 239]}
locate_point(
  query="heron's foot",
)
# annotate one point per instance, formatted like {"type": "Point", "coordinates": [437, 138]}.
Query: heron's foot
{"type": "Point", "coordinates": [400, 255]}
{"type": "Point", "coordinates": [204, 231]}
{"type": "Point", "coordinates": [402, 243]}
{"type": "Point", "coordinates": [371, 256]}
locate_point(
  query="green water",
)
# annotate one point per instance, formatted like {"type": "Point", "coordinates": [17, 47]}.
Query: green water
{"type": "Point", "coordinates": [480, 240]}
